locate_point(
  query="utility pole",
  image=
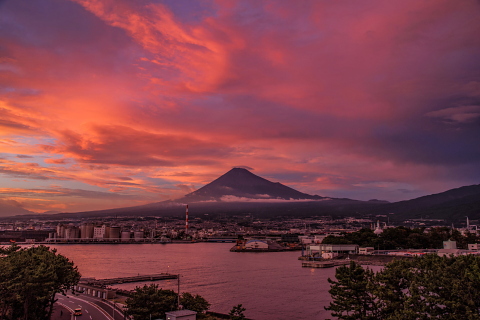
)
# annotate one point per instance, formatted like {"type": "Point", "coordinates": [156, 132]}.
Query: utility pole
{"type": "Point", "coordinates": [178, 301]}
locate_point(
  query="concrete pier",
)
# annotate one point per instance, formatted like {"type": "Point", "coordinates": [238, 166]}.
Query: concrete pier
{"type": "Point", "coordinates": [139, 278]}
{"type": "Point", "coordinates": [324, 264]}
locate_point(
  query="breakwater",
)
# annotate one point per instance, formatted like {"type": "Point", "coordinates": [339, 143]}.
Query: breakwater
{"type": "Point", "coordinates": [138, 278]}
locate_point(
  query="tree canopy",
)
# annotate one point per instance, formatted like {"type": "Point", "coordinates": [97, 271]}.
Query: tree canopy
{"type": "Point", "coordinates": [428, 287]}
{"type": "Point", "coordinates": [29, 280]}
{"type": "Point", "coordinates": [194, 302]}
{"type": "Point", "coordinates": [150, 300]}
{"type": "Point", "coordinates": [404, 238]}
{"type": "Point", "coordinates": [237, 312]}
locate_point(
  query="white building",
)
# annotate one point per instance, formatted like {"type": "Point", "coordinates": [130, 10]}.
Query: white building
{"type": "Point", "coordinates": [181, 315]}
{"type": "Point", "coordinates": [319, 238]}
{"type": "Point", "coordinates": [366, 250]}
{"type": "Point", "coordinates": [256, 244]}
{"type": "Point", "coordinates": [449, 244]}
{"type": "Point", "coordinates": [474, 246]}
{"type": "Point", "coordinates": [329, 251]}
{"type": "Point", "coordinates": [99, 232]}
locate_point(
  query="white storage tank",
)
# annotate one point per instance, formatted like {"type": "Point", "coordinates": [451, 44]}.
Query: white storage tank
{"type": "Point", "coordinates": [61, 231]}
{"type": "Point", "coordinates": [89, 230]}
{"type": "Point", "coordinates": [138, 235]}
{"type": "Point", "coordinates": [125, 235]}
{"type": "Point", "coordinates": [72, 233]}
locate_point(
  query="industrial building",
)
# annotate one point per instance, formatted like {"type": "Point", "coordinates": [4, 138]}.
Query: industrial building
{"type": "Point", "coordinates": [330, 251]}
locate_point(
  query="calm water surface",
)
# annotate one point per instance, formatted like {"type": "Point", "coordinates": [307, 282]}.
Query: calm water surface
{"type": "Point", "coordinates": [271, 285]}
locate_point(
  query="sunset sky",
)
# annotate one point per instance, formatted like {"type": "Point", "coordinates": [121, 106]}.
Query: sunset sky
{"type": "Point", "coordinates": [113, 103]}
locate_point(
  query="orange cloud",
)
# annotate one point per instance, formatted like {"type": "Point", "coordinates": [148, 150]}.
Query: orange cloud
{"type": "Point", "coordinates": [147, 99]}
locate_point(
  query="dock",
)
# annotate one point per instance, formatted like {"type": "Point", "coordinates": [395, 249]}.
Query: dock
{"type": "Point", "coordinates": [138, 278]}
{"type": "Point", "coordinates": [324, 264]}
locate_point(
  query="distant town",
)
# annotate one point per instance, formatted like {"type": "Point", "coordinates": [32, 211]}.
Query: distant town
{"type": "Point", "coordinates": [324, 242]}
{"type": "Point", "coordinates": [226, 228]}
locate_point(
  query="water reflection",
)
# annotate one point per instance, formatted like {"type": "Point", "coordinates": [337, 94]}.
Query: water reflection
{"type": "Point", "coordinates": [269, 285]}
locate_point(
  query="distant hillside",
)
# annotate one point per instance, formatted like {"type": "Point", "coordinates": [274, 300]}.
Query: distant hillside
{"type": "Point", "coordinates": [451, 205]}
{"type": "Point", "coordinates": [9, 208]}
{"type": "Point", "coordinates": [241, 192]}
{"type": "Point", "coordinates": [238, 192]}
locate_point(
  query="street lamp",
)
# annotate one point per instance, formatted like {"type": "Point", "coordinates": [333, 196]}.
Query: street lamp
{"type": "Point", "coordinates": [178, 302]}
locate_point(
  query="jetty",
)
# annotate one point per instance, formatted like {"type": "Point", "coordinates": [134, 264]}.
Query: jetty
{"type": "Point", "coordinates": [138, 278]}
{"type": "Point", "coordinates": [324, 264]}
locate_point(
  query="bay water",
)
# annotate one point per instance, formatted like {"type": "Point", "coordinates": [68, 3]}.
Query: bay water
{"type": "Point", "coordinates": [270, 285]}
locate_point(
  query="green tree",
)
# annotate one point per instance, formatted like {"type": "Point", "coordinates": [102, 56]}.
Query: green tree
{"type": "Point", "coordinates": [447, 287]}
{"type": "Point", "coordinates": [8, 301]}
{"type": "Point", "coordinates": [428, 287]}
{"type": "Point", "coordinates": [194, 302]}
{"type": "Point", "coordinates": [390, 287]}
{"type": "Point", "coordinates": [437, 236]}
{"type": "Point", "coordinates": [331, 239]}
{"type": "Point", "coordinates": [29, 280]}
{"type": "Point", "coordinates": [351, 297]}
{"type": "Point", "coordinates": [237, 312]}
{"type": "Point", "coordinates": [150, 301]}
{"type": "Point", "coordinates": [418, 239]}
{"type": "Point", "coordinates": [394, 238]}
{"type": "Point", "coordinates": [364, 237]}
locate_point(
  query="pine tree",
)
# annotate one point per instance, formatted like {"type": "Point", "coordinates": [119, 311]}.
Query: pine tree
{"type": "Point", "coordinates": [237, 312]}
{"type": "Point", "coordinates": [351, 297]}
{"type": "Point", "coordinates": [29, 280]}
{"type": "Point", "coordinates": [194, 302]}
{"type": "Point", "coordinates": [428, 287]}
{"type": "Point", "coordinates": [150, 301]}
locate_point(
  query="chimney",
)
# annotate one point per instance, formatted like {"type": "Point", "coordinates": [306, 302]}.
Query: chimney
{"type": "Point", "coordinates": [186, 221]}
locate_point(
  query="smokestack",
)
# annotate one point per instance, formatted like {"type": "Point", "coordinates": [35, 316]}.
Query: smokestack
{"type": "Point", "coordinates": [186, 221]}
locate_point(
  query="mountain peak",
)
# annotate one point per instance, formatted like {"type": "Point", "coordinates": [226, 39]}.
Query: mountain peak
{"type": "Point", "coordinates": [239, 184]}
{"type": "Point", "coordinates": [239, 169]}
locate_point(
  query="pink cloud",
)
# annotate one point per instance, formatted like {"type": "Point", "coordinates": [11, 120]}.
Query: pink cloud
{"type": "Point", "coordinates": [126, 146]}
{"type": "Point", "coordinates": [337, 98]}
{"type": "Point", "coordinates": [56, 161]}
{"type": "Point", "coordinates": [462, 114]}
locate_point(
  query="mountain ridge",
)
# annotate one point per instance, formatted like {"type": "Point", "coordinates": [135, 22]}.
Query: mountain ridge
{"type": "Point", "coordinates": [239, 191]}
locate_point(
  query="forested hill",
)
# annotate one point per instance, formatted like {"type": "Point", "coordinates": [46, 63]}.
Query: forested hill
{"type": "Point", "coordinates": [451, 205]}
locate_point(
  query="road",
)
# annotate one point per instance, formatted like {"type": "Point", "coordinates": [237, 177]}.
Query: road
{"type": "Point", "coordinates": [93, 309]}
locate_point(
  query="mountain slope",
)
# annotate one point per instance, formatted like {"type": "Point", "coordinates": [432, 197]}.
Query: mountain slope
{"type": "Point", "coordinates": [452, 205]}
{"type": "Point", "coordinates": [12, 208]}
{"type": "Point", "coordinates": [239, 191]}
{"type": "Point", "coordinates": [239, 183]}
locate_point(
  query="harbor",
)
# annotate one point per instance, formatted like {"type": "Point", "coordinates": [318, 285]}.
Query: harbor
{"type": "Point", "coordinates": [324, 264]}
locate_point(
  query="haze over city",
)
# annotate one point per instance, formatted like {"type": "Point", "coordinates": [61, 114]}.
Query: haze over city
{"type": "Point", "coordinates": [111, 103]}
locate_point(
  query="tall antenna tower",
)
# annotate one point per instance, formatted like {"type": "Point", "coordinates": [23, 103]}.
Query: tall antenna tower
{"type": "Point", "coordinates": [186, 221]}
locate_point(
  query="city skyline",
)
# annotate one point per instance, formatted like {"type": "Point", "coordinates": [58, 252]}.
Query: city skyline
{"type": "Point", "coordinates": [107, 104]}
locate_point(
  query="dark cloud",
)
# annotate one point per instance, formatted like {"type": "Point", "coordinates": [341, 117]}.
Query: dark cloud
{"type": "Point", "coordinates": [356, 99]}
{"type": "Point", "coordinates": [20, 173]}
{"type": "Point", "coordinates": [244, 167]}
{"type": "Point", "coordinates": [126, 146]}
